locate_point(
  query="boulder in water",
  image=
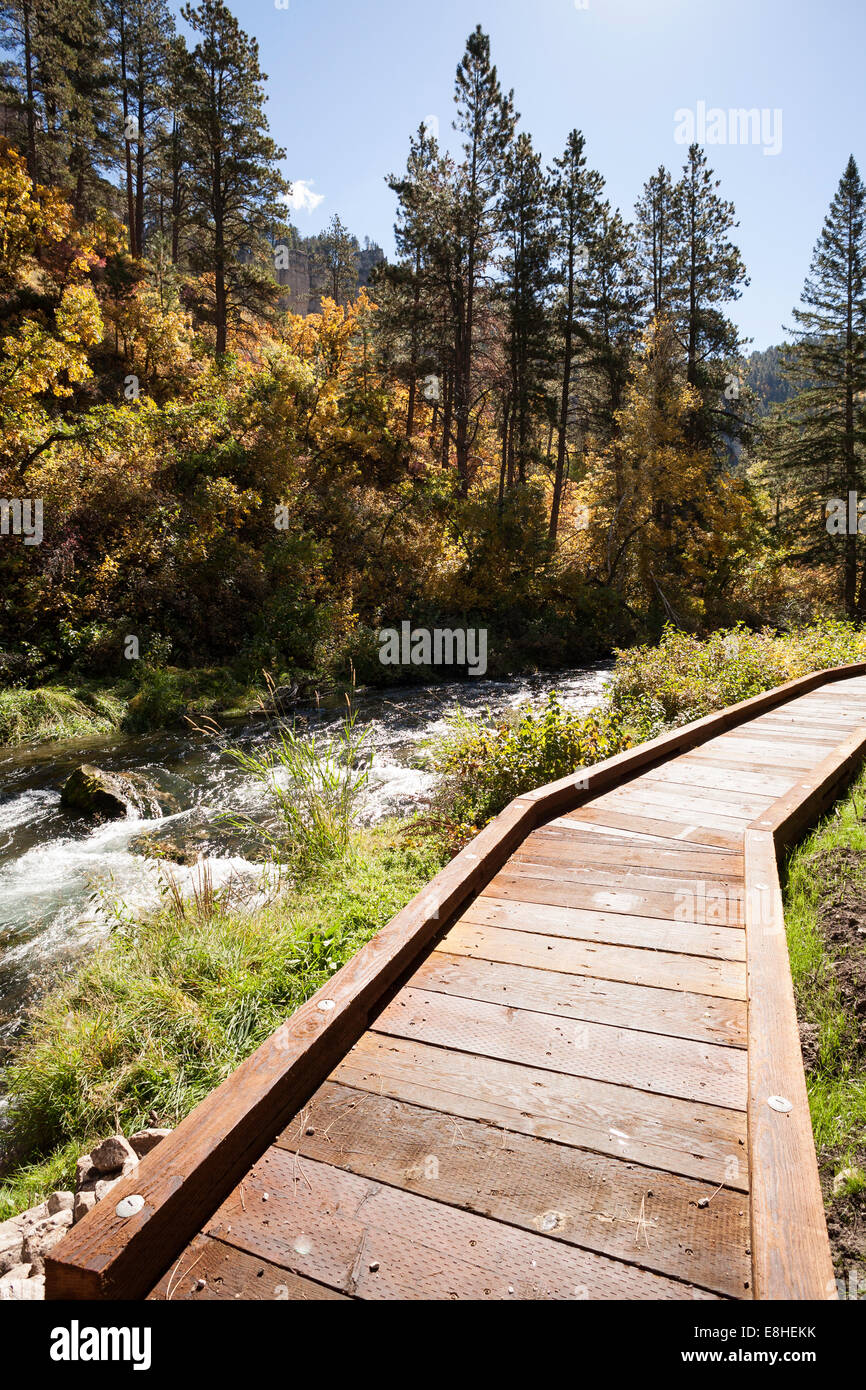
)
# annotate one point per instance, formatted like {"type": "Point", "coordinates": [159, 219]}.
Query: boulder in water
{"type": "Point", "coordinates": [285, 698]}
{"type": "Point", "coordinates": [90, 791]}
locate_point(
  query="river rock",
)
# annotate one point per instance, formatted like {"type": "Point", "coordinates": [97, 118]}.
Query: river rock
{"type": "Point", "coordinates": [14, 1232]}
{"type": "Point", "coordinates": [84, 1202]}
{"type": "Point", "coordinates": [285, 698]}
{"type": "Point", "coordinates": [43, 1237]}
{"type": "Point", "coordinates": [23, 1290]}
{"type": "Point", "coordinates": [60, 1201]}
{"type": "Point", "coordinates": [85, 1172]}
{"type": "Point", "coordinates": [147, 1139]}
{"type": "Point", "coordinates": [113, 1155]}
{"type": "Point", "coordinates": [90, 791]}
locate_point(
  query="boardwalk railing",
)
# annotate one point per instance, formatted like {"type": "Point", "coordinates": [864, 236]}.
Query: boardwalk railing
{"type": "Point", "coordinates": [184, 1180]}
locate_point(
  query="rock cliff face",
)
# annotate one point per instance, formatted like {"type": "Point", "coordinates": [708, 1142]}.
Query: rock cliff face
{"type": "Point", "coordinates": [296, 271]}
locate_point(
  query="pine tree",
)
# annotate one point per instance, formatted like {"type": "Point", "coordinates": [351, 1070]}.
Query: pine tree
{"type": "Point", "coordinates": [17, 33]}
{"type": "Point", "coordinates": [654, 217]}
{"type": "Point", "coordinates": [819, 435]}
{"type": "Point", "coordinates": [141, 32]}
{"type": "Point", "coordinates": [611, 314]}
{"type": "Point", "coordinates": [406, 291]}
{"type": "Point", "coordinates": [525, 224]}
{"type": "Point", "coordinates": [168, 190]}
{"type": "Point", "coordinates": [575, 194]}
{"type": "Point", "coordinates": [336, 262]}
{"type": "Point", "coordinates": [236, 185]}
{"type": "Point", "coordinates": [707, 274]}
{"type": "Point", "coordinates": [486, 120]}
{"type": "Point", "coordinates": [62, 80]}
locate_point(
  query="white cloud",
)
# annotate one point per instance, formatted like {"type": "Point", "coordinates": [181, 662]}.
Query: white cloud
{"type": "Point", "coordinates": [302, 198]}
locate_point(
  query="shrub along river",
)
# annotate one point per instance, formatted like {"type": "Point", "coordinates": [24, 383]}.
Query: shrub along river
{"type": "Point", "coordinates": [63, 879]}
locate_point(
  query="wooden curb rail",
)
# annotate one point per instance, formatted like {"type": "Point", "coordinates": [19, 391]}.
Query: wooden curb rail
{"type": "Point", "coordinates": [790, 1249]}
{"type": "Point", "coordinates": [193, 1170]}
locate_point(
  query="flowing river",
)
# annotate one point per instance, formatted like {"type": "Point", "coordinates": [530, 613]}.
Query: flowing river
{"type": "Point", "coordinates": [63, 880]}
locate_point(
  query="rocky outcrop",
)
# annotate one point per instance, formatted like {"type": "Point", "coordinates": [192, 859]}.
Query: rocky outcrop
{"type": "Point", "coordinates": [27, 1238]}
{"type": "Point", "coordinates": [90, 791]}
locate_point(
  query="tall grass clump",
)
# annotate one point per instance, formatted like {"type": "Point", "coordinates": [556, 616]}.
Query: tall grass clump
{"type": "Point", "coordinates": [315, 786]}
{"type": "Point", "coordinates": [54, 712]}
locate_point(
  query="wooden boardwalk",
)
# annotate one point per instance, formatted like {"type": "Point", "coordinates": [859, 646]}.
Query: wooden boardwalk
{"type": "Point", "coordinates": [569, 1070]}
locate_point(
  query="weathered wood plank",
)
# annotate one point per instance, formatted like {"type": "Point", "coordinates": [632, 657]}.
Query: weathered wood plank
{"type": "Point", "coordinates": [600, 833]}
{"type": "Point", "coordinates": [791, 1251]}
{"type": "Point", "coordinates": [662, 969]}
{"type": "Point", "coordinates": [687, 937]}
{"type": "Point", "coordinates": [683, 799]}
{"type": "Point", "coordinates": [211, 1270]}
{"type": "Point", "coordinates": [571, 846]}
{"type": "Point", "coordinates": [369, 1240]}
{"type": "Point", "coordinates": [682, 830]}
{"type": "Point", "coordinates": [719, 904]}
{"type": "Point", "coordinates": [530, 865]}
{"type": "Point", "coordinates": [761, 784]}
{"type": "Point", "coordinates": [675, 1012]}
{"type": "Point", "coordinates": [667, 1066]}
{"type": "Point", "coordinates": [677, 1136]}
{"type": "Point", "coordinates": [573, 1196]}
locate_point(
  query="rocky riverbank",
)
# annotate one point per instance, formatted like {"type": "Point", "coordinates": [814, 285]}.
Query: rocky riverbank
{"type": "Point", "coordinates": [27, 1238]}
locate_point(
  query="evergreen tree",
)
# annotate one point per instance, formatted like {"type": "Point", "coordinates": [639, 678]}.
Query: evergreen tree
{"type": "Point", "coordinates": [819, 435]}
{"type": "Point", "coordinates": [486, 121]}
{"type": "Point", "coordinates": [235, 183]}
{"type": "Point", "coordinates": [611, 312]}
{"type": "Point", "coordinates": [654, 219]}
{"type": "Point", "coordinates": [527, 235]}
{"type": "Point", "coordinates": [575, 192]}
{"type": "Point", "coordinates": [141, 32]}
{"type": "Point", "coordinates": [17, 36]}
{"type": "Point", "coordinates": [406, 291]}
{"type": "Point", "coordinates": [336, 262]}
{"type": "Point", "coordinates": [168, 190]}
{"type": "Point", "coordinates": [707, 273]}
{"type": "Point", "coordinates": [62, 81]}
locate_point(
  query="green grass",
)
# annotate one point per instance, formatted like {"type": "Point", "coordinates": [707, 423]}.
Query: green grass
{"type": "Point", "coordinates": [162, 1012]}
{"type": "Point", "coordinates": [832, 860]}
{"type": "Point", "coordinates": [150, 699]}
{"type": "Point", "coordinates": [315, 785]}
{"type": "Point", "coordinates": [58, 712]}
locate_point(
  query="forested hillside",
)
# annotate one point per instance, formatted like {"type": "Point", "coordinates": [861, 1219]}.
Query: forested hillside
{"type": "Point", "coordinates": [766, 378]}
{"type": "Point", "coordinates": [525, 421]}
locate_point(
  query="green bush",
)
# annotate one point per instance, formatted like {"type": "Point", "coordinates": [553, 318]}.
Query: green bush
{"type": "Point", "coordinates": [685, 677]}
{"type": "Point", "coordinates": [486, 763]}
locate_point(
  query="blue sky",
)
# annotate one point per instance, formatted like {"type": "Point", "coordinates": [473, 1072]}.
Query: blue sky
{"type": "Point", "coordinates": [350, 79]}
